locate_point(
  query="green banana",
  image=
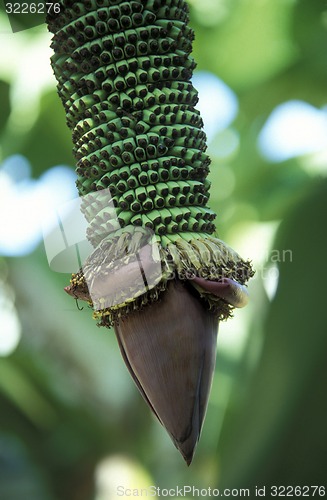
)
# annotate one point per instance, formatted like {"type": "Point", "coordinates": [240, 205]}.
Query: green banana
{"type": "Point", "coordinates": [124, 77]}
{"type": "Point", "coordinates": [166, 216]}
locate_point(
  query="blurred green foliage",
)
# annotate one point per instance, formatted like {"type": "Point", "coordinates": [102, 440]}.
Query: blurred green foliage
{"type": "Point", "coordinates": [66, 398]}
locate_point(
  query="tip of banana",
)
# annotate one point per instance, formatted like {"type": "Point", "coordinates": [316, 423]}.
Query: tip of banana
{"type": "Point", "coordinates": [169, 348]}
{"type": "Point", "coordinates": [187, 448]}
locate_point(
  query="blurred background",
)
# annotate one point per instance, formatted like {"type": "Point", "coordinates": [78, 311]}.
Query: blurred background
{"type": "Point", "coordinates": [72, 424]}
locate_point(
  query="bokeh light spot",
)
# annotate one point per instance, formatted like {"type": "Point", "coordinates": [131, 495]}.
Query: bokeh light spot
{"type": "Point", "coordinates": [24, 201]}
{"type": "Point", "coordinates": [218, 105]}
{"type": "Point", "coordinates": [294, 128]}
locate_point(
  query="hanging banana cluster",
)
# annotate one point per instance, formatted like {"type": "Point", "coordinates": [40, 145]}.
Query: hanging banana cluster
{"type": "Point", "coordinates": [124, 77]}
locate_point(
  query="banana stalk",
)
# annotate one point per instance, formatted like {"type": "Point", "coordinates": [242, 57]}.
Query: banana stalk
{"type": "Point", "coordinates": [158, 273]}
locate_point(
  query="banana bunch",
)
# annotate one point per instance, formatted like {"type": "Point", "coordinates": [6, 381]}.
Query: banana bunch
{"type": "Point", "coordinates": [124, 74]}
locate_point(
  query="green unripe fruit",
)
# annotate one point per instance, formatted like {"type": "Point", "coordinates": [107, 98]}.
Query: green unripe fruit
{"type": "Point", "coordinates": [124, 76]}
